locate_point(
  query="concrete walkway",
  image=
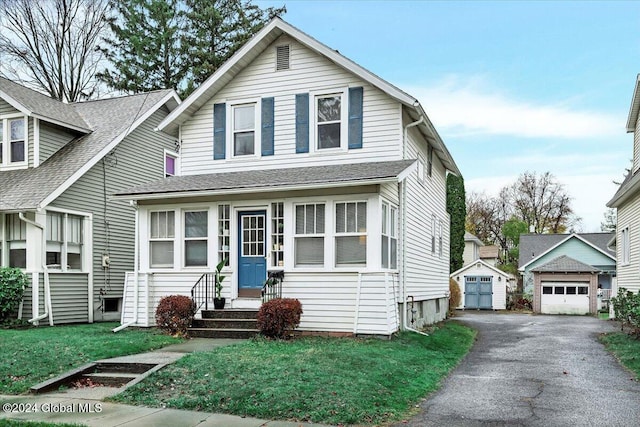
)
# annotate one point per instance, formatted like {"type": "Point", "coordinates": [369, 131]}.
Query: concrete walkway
{"type": "Point", "coordinates": [84, 405]}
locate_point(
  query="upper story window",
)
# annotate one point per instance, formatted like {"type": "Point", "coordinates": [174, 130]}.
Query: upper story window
{"type": "Point", "coordinates": [625, 246]}
{"type": "Point", "coordinates": [329, 117]}
{"type": "Point", "coordinates": [13, 147]}
{"type": "Point", "coordinates": [430, 161]}
{"type": "Point", "coordinates": [244, 129]}
{"type": "Point", "coordinates": [170, 163]}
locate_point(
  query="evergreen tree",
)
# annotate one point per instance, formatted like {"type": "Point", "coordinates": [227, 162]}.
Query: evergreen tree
{"type": "Point", "coordinates": [144, 49]}
{"type": "Point", "coordinates": [457, 210]}
{"type": "Point", "coordinates": [216, 29]}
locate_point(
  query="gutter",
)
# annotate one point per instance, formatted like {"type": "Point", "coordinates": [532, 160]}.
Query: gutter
{"type": "Point", "coordinates": [47, 289]}
{"type": "Point", "coordinates": [136, 263]}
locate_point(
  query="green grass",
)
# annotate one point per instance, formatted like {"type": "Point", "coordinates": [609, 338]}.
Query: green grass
{"type": "Point", "coordinates": [326, 380]}
{"type": "Point", "coordinates": [626, 348]}
{"type": "Point", "coordinates": [30, 356]}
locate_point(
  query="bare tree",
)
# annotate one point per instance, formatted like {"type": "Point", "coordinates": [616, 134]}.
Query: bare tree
{"type": "Point", "coordinates": [50, 45]}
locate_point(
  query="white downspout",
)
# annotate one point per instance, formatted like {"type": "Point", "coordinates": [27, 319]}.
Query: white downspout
{"type": "Point", "coordinates": [135, 272]}
{"type": "Point", "coordinates": [47, 290]}
{"type": "Point", "coordinates": [403, 202]}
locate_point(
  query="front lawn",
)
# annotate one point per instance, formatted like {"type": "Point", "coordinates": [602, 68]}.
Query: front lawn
{"type": "Point", "coordinates": [626, 348]}
{"type": "Point", "coordinates": [325, 380]}
{"type": "Point", "coordinates": [30, 356]}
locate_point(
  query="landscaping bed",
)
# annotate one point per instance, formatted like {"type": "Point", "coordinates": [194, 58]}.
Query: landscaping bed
{"type": "Point", "coordinates": [325, 380]}
{"type": "Point", "coordinates": [29, 356]}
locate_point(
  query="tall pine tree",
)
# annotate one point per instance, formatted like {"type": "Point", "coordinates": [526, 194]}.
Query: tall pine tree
{"type": "Point", "coordinates": [216, 29]}
{"type": "Point", "coordinates": [457, 210]}
{"type": "Point", "coordinates": [144, 50]}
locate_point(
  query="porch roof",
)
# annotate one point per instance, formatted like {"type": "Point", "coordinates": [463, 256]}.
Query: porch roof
{"type": "Point", "coordinates": [271, 179]}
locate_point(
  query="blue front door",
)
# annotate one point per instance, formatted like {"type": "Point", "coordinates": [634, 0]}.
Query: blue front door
{"type": "Point", "coordinates": [252, 262]}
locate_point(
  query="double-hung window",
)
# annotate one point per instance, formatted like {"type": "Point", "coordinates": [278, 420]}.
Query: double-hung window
{"type": "Point", "coordinates": [328, 121]}
{"type": "Point", "coordinates": [170, 163]}
{"type": "Point", "coordinates": [55, 239]}
{"type": "Point", "coordinates": [161, 239]}
{"type": "Point", "coordinates": [433, 234]}
{"type": "Point", "coordinates": [16, 233]}
{"type": "Point", "coordinates": [440, 226]}
{"type": "Point", "coordinates": [244, 129]}
{"type": "Point", "coordinates": [351, 233]}
{"type": "Point", "coordinates": [389, 236]}
{"type": "Point", "coordinates": [195, 238]}
{"type": "Point", "coordinates": [625, 244]}
{"type": "Point", "coordinates": [309, 234]}
{"type": "Point", "coordinates": [16, 140]}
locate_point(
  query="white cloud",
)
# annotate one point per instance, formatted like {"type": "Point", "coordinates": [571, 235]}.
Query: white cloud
{"type": "Point", "coordinates": [469, 106]}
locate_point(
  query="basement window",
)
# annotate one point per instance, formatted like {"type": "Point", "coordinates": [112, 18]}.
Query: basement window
{"type": "Point", "coordinates": [111, 305]}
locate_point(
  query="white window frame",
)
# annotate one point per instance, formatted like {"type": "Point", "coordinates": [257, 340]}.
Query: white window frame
{"type": "Point", "coordinates": [625, 246]}
{"type": "Point", "coordinates": [440, 243]}
{"type": "Point", "coordinates": [12, 243]}
{"type": "Point", "coordinates": [173, 239]}
{"type": "Point", "coordinates": [358, 233]}
{"type": "Point", "coordinates": [429, 160]}
{"type": "Point", "coordinates": [6, 163]}
{"type": "Point", "coordinates": [184, 239]}
{"type": "Point", "coordinates": [344, 119]}
{"type": "Point", "coordinates": [433, 234]}
{"type": "Point", "coordinates": [322, 235]}
{"type": "Point", "coordinates": [257, 107]}
{"type": "Point", "coordinates": [176, 158]}
{"type": "Point", "coordinates": [86, 240]}
{"type": "Point", "coordinates": [390, 231]}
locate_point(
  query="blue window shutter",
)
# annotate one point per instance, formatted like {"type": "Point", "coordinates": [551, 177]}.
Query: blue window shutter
{"type": "Point", "coordinates": [267, 127]}
{"type": "Point", "coordinates": [219, 131]}
{"type": "Point", "coordinates": [355, 117]}
{"type": "Point", "coordinates": [302, 123]}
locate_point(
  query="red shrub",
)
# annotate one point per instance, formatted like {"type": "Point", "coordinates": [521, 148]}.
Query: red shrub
{"type": "Point", "coordinates": [174, 314]}
{"type": "Point", "coordinates": [278, 316]}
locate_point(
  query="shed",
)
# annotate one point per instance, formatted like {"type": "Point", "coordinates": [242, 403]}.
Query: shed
{"type": "Point", "coordinates": [483, 286]}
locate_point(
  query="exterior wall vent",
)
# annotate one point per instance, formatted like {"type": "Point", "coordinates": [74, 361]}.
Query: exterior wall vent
{"type": "Point", "coordinates": [282, 57]}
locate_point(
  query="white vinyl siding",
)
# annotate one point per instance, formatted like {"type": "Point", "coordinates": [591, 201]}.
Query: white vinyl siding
{"type": "Point", "coordinates": [628, 219]}
{"type": "Point", "coordinates": [309, 73]}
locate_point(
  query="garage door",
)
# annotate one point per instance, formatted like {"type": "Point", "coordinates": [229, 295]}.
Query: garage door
{"type": "Point", "coordinates": [565, 298]}
{"type": "Point", "coordinates": [478, 292]}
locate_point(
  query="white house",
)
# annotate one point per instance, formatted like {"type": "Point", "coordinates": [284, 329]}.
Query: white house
{"type": "Point", "coordinates": [293, 158]}
{"type": "Point", "coordinates": [472, 247]}
{"type": "Point", "coordinates": [627, 203]}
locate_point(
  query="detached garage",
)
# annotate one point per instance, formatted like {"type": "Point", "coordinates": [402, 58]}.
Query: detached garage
{"type": "Point", "coordinates": [565, 286]}
{"type": "Point", "coordinates": [483, 286]}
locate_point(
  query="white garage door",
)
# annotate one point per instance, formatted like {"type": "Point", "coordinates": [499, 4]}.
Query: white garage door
{"type": "Point", "coordinates": [565, 298]}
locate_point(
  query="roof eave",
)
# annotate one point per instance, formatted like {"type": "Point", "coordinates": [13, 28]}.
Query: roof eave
{"type": "Point", "coordinates": [243, 190]}
{"type": "Point", "coordinates": [635, 107]}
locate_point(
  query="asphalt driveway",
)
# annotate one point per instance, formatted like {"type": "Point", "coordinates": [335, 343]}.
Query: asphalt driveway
{"type": "Point", "coordinates": [527, 370]}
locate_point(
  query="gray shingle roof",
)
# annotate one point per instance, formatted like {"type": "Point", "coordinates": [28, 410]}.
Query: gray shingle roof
{"type": "Point", "coordinates": [273, 178]}
{"type": "Point", "coordinates": [109, 118]}
{"type": "Point", "coordinates": [43, 106]}
{"type": "Point", "coordinates": [565, 264]}
{"type": "Point", "coordinates": [533, 245]}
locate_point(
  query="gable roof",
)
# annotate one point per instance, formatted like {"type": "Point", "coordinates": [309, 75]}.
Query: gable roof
{"type": "Point", "coordinates": [490, 251]}
{"type": "Point", "coordinates": [271, 179]}
{"type": "Point", "coordinates": [40, 106]}
{"type": "Point", "coordinates": [534, 246]}
{"type": "Point", "coordinates": [635, 107]}
{"type": "Point", "coordinates": [110, 120]}
{"type": "Point", "coordinates": [627, 188]}
{"type": "Point", "coordinates": [565, 264]}
{"type": "Point", "coordinates": [468, 237]}
{"type": "Point", "coordinates": [260, 41]}
{"type": "Point", "coordinates": [489, 266]}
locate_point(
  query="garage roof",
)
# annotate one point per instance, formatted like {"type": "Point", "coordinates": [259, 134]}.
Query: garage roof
{"type": "Point", "coordinates": [565, 264]}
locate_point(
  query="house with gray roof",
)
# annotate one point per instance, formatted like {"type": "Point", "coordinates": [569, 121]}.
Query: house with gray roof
{"type": "Point", "coordinates": [564, 272]}
{"type": "Point", "coordinates": [59, 163]}
{"type": "Point", "coordinates": [626, 201]}
{"type": "Point", "coordinates": [298, 164]}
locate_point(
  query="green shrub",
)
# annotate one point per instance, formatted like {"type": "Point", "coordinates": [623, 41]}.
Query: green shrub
{"type": "Point", "coordinates": [175, 313]}
{"type": "Point", "coordinates": [626, 306]}
{"type": "Point", "coordinates": [12, 285]}
{"type": "Point", "coordinates": [278, 316]}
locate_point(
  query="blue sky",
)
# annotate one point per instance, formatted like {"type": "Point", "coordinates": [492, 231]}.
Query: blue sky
{"type": "Point", "coordinates": [510, 86]}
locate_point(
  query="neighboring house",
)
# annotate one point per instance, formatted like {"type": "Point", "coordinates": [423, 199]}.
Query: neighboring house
{"type": "Point", "coordinates": [564, 271]}
{"type": "Point", "coordinates": [627, 203]}
{"type": "Point", "coordinates": [472, 247]}
{"type": "Point", "coordinates": [58, 163]}
{"type": "Point", "coordinates": [483, 286]}
{"type": "Point", "coordinates": [489, 254]}
{"type": "Point", "coordinates": [294, 158]}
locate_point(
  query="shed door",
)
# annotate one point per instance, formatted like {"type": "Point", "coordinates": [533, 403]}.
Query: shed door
{"type": "Point", "coordinates": [478, 292]}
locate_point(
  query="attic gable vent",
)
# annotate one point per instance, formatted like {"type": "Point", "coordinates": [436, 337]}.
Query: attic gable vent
{"type": "Point", "coordinates": [282, 57]}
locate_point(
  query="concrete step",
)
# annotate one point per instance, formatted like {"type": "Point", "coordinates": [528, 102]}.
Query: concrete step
{"type": "Point", "coordinates": [128, 368]}
{"type": "Point", "coordinates": [222, 333]}
{"type": "Point", "coordinates": [230, 314]}
{"type": "Point", "coordinates": [225, 323]}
